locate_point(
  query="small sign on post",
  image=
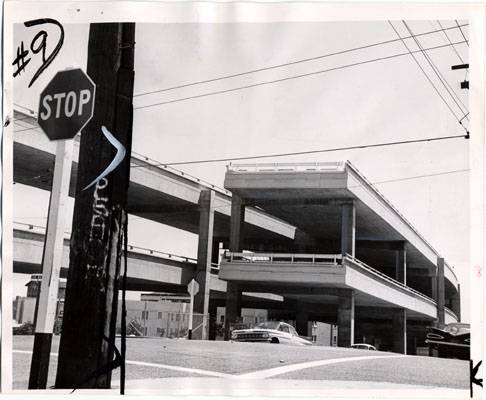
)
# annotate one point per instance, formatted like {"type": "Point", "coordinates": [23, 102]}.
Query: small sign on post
{"type": "Point", "coordinates": [192, 289]}
{"type": "Point", "coordinates": [65, 107]}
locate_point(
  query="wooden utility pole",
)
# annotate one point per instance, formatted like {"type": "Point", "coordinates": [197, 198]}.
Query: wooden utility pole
{"type": "Point", "coordinates": [88, 331]}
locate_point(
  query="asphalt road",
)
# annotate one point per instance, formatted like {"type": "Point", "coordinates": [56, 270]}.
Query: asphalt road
{"type": "Point", "coordinates": [158, 360]}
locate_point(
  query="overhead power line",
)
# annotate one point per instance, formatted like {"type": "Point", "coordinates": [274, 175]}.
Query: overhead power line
{"type": "Point", "coordinates": [297, 153]}
{"type": "Point", "coordinates": [288, 78]}
{"type": "Point", "coordinates": [449, 39]}
{"type": "Point", "coordinates": [462, 33]}
{"type": "Point", "coordinates": [437, 72]}
{"type": "Point", "coordinates": [290, 63]}
{"type": "Point", "coordinates": [427, 76]}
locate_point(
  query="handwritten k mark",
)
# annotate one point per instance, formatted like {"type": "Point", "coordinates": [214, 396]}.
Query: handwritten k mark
{"type": "Point", "coordinates": [120, 155]}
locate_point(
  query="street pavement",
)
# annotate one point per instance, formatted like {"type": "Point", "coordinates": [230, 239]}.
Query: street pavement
{"type": "Point", "coordinates": [160, 363]}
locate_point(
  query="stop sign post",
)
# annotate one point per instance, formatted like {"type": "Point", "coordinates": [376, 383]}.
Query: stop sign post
{"type": "Point", "coordinates": [192, 289]}
{"type": "Point", "coordinates": [66, 104]}
{"type": "Point", "coordinates": [65, 107]}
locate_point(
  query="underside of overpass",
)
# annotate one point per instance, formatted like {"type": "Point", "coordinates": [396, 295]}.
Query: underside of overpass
{"type": "Point", "coordinates": [353, 253]}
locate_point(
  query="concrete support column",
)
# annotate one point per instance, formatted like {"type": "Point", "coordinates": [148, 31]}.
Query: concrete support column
{"type": "Point", "coordinates": [213, 315]}
{"type": "Point", "coordinates": [233, 307]}
{"type": "Point", "coordinates": [233, 292]}
{"type": "Point", "coordinates": [399, 328]}
{"type": "Point", "coordinates": [348, 229]}
{"type": "Point", "coordinates": [236, 224]}
{"type": "Point", "coordinates": [203, 270]}
{"type": "Point", "coordinates": [440, 293]}
{"type": "Point", "coordinates": [301, 320]}
{"type": "Point", "coordinates": [345, 318]}
{"type": "Point", "coordinates": [433, 285]}
{"type": "Point", "coordinates": [456, 302]}
{"type": "Point", "coordinates": [401, 265]}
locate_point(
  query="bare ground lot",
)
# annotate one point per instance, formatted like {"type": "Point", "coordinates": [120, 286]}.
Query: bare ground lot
{"type": "Point", "coordinates": [156, 358]}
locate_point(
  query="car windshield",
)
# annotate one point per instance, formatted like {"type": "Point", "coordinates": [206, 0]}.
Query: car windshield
{"type": "Point", "coordinates": [268, 325]}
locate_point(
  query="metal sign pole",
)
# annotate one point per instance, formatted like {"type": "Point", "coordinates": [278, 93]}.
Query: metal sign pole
{"type": "Point", "coordinates": [191, 308]}
{"type": "Point", "coordinates": [51, 265]}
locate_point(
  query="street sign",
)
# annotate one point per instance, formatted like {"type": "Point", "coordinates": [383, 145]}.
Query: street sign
{"type": "Point", "coordinates": [193, 288]}
{"type": "Point", "coordinates": [66, 104]}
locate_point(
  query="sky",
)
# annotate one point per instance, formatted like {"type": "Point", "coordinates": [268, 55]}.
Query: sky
{"type": "Point", "coordinates": [385, 101]}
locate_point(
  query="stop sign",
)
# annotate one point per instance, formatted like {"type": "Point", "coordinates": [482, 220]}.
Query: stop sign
{"type": "Point", "coordinates": [66, 104]}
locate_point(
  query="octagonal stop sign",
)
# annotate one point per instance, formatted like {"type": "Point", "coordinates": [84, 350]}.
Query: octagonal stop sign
{"type": "Point", "coordinates": [66, 104]}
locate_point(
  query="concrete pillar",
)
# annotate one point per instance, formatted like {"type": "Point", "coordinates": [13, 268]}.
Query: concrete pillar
{"type": "Point", "coordinates": [236, 224]}
{"type": "Point", "coordinates": [203, 270]}
{"type": "Point", "coordinates": [345, 318]}
{"type": "Point", "coordinates": [301, 320]}
{"type": "Point", "coordinates": [401, 265]}
{"type": "Point", "coordinates": [456, 302]}
{"type": "Point", "coordinates": [433, 285]}
{"type": "Point", "coordinates": [440, 293]}
{"type": "Point", "coordinates": [348, 229]}
{"type": "Point", "coordinates": [213, 315]}
{"type": "Point", "coordinates": [233, 292]}
{"type": "Point", "coordinates": [399, 331]}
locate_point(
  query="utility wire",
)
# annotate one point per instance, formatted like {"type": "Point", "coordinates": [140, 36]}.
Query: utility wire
{"type": "Point", "coordinates": [289, 78]}
{"type": "Point", "coordinates": [437, 72]}
{"type": "Point", "coordinates": [425, 74]}
{"type": "Point", "coordinates": [449, 39]}
{"type": "Point", "coordinates": [296, 153]}
{"type": "Point", "coordinates": [289, 63]}
{"type": "Point", "coordinates": [462, 33]}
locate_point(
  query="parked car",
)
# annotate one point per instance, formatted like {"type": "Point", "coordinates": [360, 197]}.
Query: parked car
{"type": "Point", "coordinates": [270, 332]}
{"type": "Point", "coordinates": [451, 342]}
{"type": "Point", "coordinates": [363, 346]}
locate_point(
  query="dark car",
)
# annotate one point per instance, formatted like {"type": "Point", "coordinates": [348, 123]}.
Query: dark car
{"type": "Point", "coordinates": [451, 342]}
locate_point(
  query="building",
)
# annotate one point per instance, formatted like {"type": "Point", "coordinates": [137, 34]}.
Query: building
{"type": "Point", "coordinates": [355, 261]}
{"type": "Point", "coordinates": [24, 308]}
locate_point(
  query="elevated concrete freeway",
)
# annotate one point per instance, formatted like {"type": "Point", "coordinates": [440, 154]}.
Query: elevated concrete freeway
{"type": "Point", "coordinates": [376, 258]}
{"type": "Point", "coordinates": [157, 192]}
{"type": "Point", "coordinates": [308, 194]}
{"type": "Point", "coordinates": [148, 270]}
{"type": "Point", "coordinates": [317, 278]}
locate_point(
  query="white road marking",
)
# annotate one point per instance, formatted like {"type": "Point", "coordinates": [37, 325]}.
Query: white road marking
{"type": "Point", "coordinates": [161, 366]}
{"type": "Point", "coordinates": [182, 369]}
{"type": "Point", "coordinates": [261, 374]}
{"type": "Point", "coordinates": [267, 373]}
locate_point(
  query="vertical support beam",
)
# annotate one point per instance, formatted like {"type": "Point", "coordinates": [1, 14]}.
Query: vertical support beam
{"type": "Point", "coordinates": [213, 315]}
{"type": "Point", "coordinates": [401, 264]}
{"type": "Point", "coordinates": [233, 292]}
{"type": "Point", "coordinates": [433, 286]}
{"type": "Point", "coordinates": [89, 321]}
{"type": "Point", "coordinates": [456, 302]}
{"type": "Point", "coordinates": [399, 328]}
{"type": "Point", "coordinates": [348, 228]}
{"type": "Point", "coordinates": [345, 318]}
{"type": "Point", "coordinates": [301, 319]}
{"type": "Point", "coordinates": [440, 293]}
{"type": "Point", "coordinates": [204, 258]}
{"type": "Point", "coordinates": [45, 307]}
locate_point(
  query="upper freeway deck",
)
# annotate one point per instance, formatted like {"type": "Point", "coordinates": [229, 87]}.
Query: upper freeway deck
{"type": "Point", "coordinates": [278, 188]}
{"type": "Point", "coordinates": [157, 192]}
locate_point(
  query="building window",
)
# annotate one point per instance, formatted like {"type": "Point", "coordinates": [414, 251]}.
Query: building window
{"type": "Point", "coordinates": [172, 317]}
{"type": "Point", "coordinates": [178, 317]}
{"type": "Point", "coordinates": [159, 315]}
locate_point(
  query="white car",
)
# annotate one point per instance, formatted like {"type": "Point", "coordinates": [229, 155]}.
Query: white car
{"type": "Point", "coordinates": [363, 346]}
{"type": "Point", "coordinates": [271, 332]}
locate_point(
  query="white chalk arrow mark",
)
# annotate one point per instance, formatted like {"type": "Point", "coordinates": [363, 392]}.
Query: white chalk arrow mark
{"type": "Point", "coordinates": [120, 155]}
